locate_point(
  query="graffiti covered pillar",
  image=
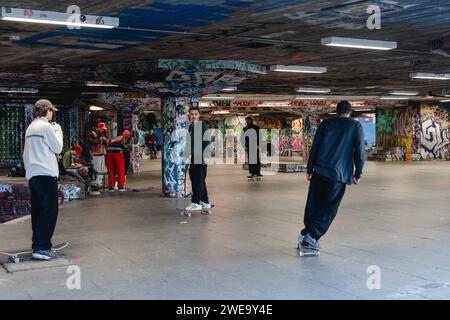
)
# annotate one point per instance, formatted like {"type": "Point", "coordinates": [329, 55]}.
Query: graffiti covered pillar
{"type": "Point", "coordinates": [175, 123]}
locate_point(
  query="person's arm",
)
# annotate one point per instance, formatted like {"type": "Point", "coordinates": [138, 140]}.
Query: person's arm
{"type": "Point", "coordinates": [315, 149]}
{"type": "Point", "coordinates": [359, 153]}
{"type": "Point", "coordinates": [53, 137]}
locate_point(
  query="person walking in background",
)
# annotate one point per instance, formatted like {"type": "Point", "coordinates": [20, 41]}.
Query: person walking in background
{"type": "Point", "coordinates": [43, 141]}
{"type": "Point", "coordinates": [337, 159]}
{"type": "Point", "coordinates": [151, 141]}
{"type": "Point", "coordinates": [250, 139]}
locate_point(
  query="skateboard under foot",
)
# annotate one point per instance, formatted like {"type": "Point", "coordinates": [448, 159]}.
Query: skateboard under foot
{"type": "Point", "coordinates": [188, 213]}
{"type": "Point", "coordinates": [307, 251]}
{"type": "Point", "coordinates": [14, 257]}
{"type": "Point", "coordinates": [254, 179]}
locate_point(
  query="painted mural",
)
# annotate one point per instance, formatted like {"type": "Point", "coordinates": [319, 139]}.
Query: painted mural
{"type": "Point", "coordinates": [297, 135]}
{"type": "Point", "coordinates": [130, 101]}
{"type": "Point", "coordinates": [395, 132]}
{"type": "Point", "coordinates": [175, 123]}
{"type": "Point", "coordinates": [434, 142]}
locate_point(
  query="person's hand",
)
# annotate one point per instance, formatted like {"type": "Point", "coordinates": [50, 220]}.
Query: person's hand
{"type": "Point", "coordinates": [309, 176]}
{"type": "Point", "coordinates": [356, 180]}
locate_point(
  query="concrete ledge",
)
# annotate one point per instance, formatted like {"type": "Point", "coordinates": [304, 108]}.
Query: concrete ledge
{"type": "Point", "coordinates": [28, 264]}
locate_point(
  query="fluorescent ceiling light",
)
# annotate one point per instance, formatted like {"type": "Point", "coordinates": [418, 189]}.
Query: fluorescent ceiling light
{"type": "Point", "coordinates": [300, 69]}
{"type": "Point", "coordinates": [313, 90]}
{"type": "Point", "coordinates": [394, 98]}
{"type": "Point", "coordinates": [99, 84]}
{"type": "Point", "coordinates": [359, 43]}
{"type": "Point", "coordinates": [58, 18]}
{"type": "Point", "coordinates": [229, 89]}
{"type": "Point", "coordinates": [218, 97]}
{"type": "Point", "coordinates": [405, 93]}
{"type": "Point", "coordinates": [310, 98]}
{"type": "Point", "coordinates": [332, 113]}
{"type": "Point", "coordinates": [18, 90]}
{"type": "Point", "coordinates": [220, 112]}
{"type": "Point", "coordinates": [95, 108]}
{"type": "Point", "coordinates": [432, 76]}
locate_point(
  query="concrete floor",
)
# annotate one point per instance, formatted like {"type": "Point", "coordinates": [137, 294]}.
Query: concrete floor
{"type": "Point", "coordinates": [133, 246]}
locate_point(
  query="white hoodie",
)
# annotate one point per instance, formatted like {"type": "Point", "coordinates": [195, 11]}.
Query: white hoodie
{"type": "Point", "coordinates": [43, 141]}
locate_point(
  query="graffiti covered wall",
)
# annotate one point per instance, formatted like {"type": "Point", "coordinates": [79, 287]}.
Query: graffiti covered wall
{"type": "Point", "coordinates": [434, 138]}
{"type": "Point", "coordinates": [417, 132]}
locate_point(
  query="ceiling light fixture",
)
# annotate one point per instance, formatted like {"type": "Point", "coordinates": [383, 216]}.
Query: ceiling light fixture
{"type": "Point", "coordinates": [211, 97]}
{"type": "Point", "coordinates": [359, 43]}
{"type": "Point", "coordinates": [300, 69]}
{"type": "Point", "coordinates": [430, 76]}
{"type": "Point", "coordinates": [19, 90]}
{"type": "Point", "coordinates": [310, 98]}
{"type": "Point", "coordinates": [95, 108]}
{"type": "Point", "coordinates": [99, 84]}
{"type": "Point", "coordinates": [405, 93]}
{"type": "Point", "coordinates": [394, 98]}
{"type": "Point", "coordinates": [313, 90]}
{"type": "Point", "coordinates": [220, 112]}
{"type": "Point", "coordinates": [58, 18]}
{"type": "Point", "coordinates": [229, 89]}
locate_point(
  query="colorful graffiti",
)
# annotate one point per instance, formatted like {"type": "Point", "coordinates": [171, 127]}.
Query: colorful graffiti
{"type": "Point", "coordinates": [130, 102]}
{"type": "Point", "coordinates": [434, 142]}
{"type": "Point", "coordinates": [297, 135]}
{"type": "Point", "coordinates": [395, 131]}
{"type": "Point", "coordinates": [175, 123]}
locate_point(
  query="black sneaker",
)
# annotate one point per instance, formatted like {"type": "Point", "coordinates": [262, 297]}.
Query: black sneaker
{"type": "Point", "coordinates": [310, 242]}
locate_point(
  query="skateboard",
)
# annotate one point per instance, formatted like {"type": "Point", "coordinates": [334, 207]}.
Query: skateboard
{"type": "Point", "coordinates": [249, 178]}
{"type": "Point", "coordinates": [14, 257]}
{"type": "Point", "coordinates": [307, 251]}
{"type": "Point", "coordinates": [188, 213]}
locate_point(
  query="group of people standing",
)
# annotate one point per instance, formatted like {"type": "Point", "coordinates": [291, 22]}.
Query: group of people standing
{"type": "Point", "coordinates": [336, 160]}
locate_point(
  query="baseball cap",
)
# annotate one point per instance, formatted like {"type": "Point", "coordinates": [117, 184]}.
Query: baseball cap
{"type": "Point", "coordinates": [78, 149]}
{"type": "Point", "coordinates": [102, 125]}
{"type": "Point", "coordinates": [126, 133]}
{"type": "Point", "coordinates": [44, 104]}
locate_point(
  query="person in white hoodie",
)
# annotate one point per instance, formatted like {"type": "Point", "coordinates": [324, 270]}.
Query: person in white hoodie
{"type": "Point", "coordinates": [43, 142]}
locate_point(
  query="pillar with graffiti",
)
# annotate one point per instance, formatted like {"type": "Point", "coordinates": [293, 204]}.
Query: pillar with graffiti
{"type": "Point", "coordinates": [178, 83]}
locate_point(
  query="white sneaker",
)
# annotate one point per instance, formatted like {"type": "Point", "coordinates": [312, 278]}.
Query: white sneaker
{"type": "Point", "coordinates": [194, 207]}
{"type": "Point", "coordinates": [206, 205]}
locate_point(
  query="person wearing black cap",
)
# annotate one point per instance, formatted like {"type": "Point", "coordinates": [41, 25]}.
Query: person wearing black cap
{"type": "Point", "coordinates": [43, 141]}
{"type": "Point", "coordinates": [337, 159]}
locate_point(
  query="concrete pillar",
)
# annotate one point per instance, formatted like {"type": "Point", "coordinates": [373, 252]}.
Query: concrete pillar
{"type": "Point", "coordinates": [174, 122]}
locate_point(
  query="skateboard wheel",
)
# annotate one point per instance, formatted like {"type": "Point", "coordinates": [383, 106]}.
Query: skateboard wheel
{"type": "Point", "coordinates": [14, 259]}
{"type": "Point", "coordinates": [301, 254]}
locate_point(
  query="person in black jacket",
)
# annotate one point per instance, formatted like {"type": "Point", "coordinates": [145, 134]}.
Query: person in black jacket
{"type": "Point", "coordinates": [198, 168]}
{"type": "Point", "coordinates": [337, 150]}
{"type": "Point", "coordinates": [250, 139]}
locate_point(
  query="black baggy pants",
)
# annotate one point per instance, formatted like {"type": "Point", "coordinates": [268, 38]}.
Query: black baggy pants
{"type": "Point", "coordinates": [324, 198]}
{"type": "Point", "coordinates": [254, 165]}
{"type": "Point", "coordinates": [44, 210]}
{"type": "Point", "coordinates": [197, 173]}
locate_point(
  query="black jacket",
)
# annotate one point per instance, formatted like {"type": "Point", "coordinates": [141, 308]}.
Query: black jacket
{"type": "Point", "coordinates": [196, 146]}
{"type": "Point", "coordinates": [338, 147]}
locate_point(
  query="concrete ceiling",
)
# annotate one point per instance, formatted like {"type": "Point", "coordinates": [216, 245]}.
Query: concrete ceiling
{"type": "Point", "coordinates": [264, 32]}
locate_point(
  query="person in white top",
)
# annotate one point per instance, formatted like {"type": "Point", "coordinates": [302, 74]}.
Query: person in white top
{"type": "Point", "coordinates": [43, 142]}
